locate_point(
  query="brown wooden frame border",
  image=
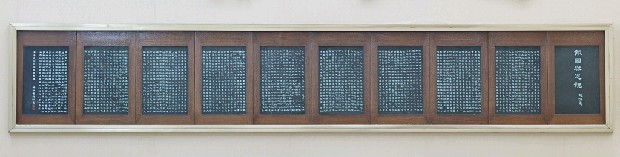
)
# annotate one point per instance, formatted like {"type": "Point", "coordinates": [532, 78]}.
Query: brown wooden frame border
{"type": "Point", "coordinates": [107, 39]}
{"type": "Point", "coordinates": [519, 39]}
{"type": "Point", "coordinates": [459, 39]}
{"type": "Point", "coordinates": [311, 97]}
{"type": "Point", "coordinates": [47, 39]}
{"type": "Point", "coordinates": [223, 39]}
{"type": "Point", "coordinates": [400, 39]}
{"type": "Point", "coordinates": [167, 39]}
{"type": "Point", "coordinates": [581, 38]}
{"type": "Point", "coordinates": [347, 39]}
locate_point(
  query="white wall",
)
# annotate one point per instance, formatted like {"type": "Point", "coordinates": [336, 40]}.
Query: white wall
{"type": "Point", "coordinates": [306, 12]}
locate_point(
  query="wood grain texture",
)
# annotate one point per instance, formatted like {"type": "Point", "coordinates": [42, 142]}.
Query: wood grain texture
{"type": "Point", "coordinates": [42, 38]}
{"type": "Point", "coordinates": [106, 39]}
{"type": "Point", "coordinates": [581, 38]}
{"type": "Point", "coordinates": [223, 39]}
{"type": "Point", "coordinates": [459, 39]}
{"type": "Point", "coordinates": [167, 39]}
{"type": "Point", "coordinates": [349, 39]}
{"type": "Point", "coordinates": [285, 39]}
{"type": "Point", "coordinates": [517, 39]}
{"type": "Point", "coordinates": [399, 39]}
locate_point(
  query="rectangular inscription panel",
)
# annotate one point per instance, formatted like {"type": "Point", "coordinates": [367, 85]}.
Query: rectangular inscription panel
{"type": "Point", "coordinates": [282, 79]}
{"type": "Point", "coordinates": [341, 87]}
{"type": "Point", "coordinates": [577, 88]}
{"type": "Point", "coordinates": [106, 85]}
{"type": "Point", "coordinates": [400, 79]}
{"type": "Point", "coordinates": [459, 80]}
{"type": "Point", "coordinates": [223, 80]}
{"type": "Point", "coordinates": [517, 79]}
{"type": "Point", "coordinates": [45, 80]}
{"type": "Point", "coordinates": [164, 80]}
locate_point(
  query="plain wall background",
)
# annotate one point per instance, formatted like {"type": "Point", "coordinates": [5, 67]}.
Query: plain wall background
{"type": "Point", "coordinates": [306, 12]}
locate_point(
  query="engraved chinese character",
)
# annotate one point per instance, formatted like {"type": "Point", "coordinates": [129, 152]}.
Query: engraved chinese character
{"type": "Point", "coordinates": [577, 85]}
{"type": "Point", "coordinates": [577, 52]}
{"type": "Point", "coordinates": [577, 68]}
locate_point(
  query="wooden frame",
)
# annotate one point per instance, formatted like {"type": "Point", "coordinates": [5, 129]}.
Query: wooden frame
{"type": "Point", "coordinates": [348, 39]}
{"type": "Point", "coordinates": [553, 127]}
{"type": "Point", "coordinates": [46, 39]}
{"type": "Point", "coordinates": [459, 39]}
{"type": "Point", "coordinates": [107, 39]}
{"type": "Point", "coordinates": [167, 39]}
{"type": "Point", "coordinates": [593, 38]}
{"type": "Point", "coordinates": [223, 39]}
{"type": "Point", "coordinates": [518, 39]}
{"type": "Point", "coordinates": [311, 76]}
{"type": "Point", "coordinates": [400, 39]}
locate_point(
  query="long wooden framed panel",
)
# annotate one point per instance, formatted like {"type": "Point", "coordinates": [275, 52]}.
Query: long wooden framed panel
{"type": "Point", "coordinates": [346, 40]}
{"type": "Point", "coordinates": [119, 49]}
{"type": "Point", "coordinates": [54, 48]}
{"type": "Point", "coordinates": [459, 40]}
{"type": "Point", "coordinates": [356, 56]}
{"type": "Point", "coordinates": [171, 42]}
{"type": "Point", "coordinates": [520, 48]}
{"type": "Point", "coordinates": [227, 48]}
{"type": "Point", "coordinates": [291, 80]}
{"type": "Point", "coordinates": [407, 45]}
{"type": "Point", "coordinates": [594, 39]}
